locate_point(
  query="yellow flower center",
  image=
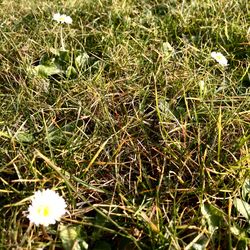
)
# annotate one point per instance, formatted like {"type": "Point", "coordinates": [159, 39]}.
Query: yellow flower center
{"type": "Point", "coordinates": [43, 211]}
{"type": "Point", "coordinates": [62, 19]}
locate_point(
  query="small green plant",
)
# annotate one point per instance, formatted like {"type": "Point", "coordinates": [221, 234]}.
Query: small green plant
{"type": "Point", "coordinates": [239, 229]}
{"type": "Point", "coordinates": [67, 63]}
{"type": "Point", "coordinates": [61, 61]}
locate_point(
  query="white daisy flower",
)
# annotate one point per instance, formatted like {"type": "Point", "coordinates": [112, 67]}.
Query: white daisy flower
{"type": "Point", "coordinates": [62, 18]}
{"type": "Point", "coordinates": [221, 59]}
{"type": "Point", "coordinates": [47, 207]}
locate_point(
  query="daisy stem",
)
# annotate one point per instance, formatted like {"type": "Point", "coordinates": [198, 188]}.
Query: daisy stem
{"type": "Point", "coordinates": [62, 41]}
{"type": "Point", "coordinates": [45, 234]}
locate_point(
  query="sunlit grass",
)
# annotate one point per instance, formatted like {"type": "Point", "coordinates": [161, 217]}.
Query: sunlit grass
{"type": "Point", "coordinates": [142, 132]}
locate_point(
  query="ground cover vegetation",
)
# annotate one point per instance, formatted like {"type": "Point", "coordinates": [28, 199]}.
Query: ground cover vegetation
{"type": "Point", "coordinates": [124, 113]}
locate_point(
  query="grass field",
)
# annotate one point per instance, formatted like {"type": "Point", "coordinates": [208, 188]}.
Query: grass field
{"type": "Point", "coordinates": [126, 115]}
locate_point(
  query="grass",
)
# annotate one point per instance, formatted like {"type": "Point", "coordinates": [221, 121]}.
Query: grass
{"type": "Point", "coordinates": [144, 157]}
